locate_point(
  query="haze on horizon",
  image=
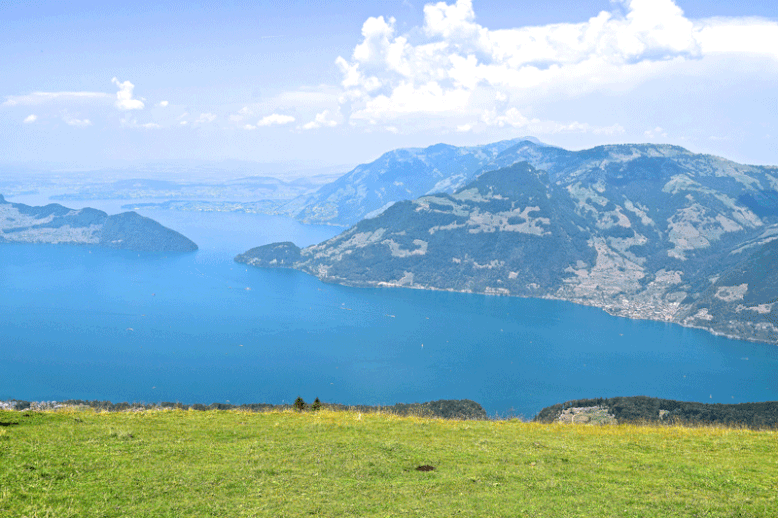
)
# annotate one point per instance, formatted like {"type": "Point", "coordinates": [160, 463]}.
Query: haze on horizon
{"type": "Point", "coordinates": [86, 84]}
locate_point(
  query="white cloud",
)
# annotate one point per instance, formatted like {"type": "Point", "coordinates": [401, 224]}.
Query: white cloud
{"type": "Point", "coordinates": [275, 118]}
{"type": "Point", "coordinates": [654, 133]}
{"type": "Point", "coordinates": [747, 36]}
{"type": "Point", "coordinates": [36, 98]}
{"type": "Point", "coordinates": [242, 114]}
{"type": "Point", "coordinates": [129, 121]}
{"type": "Point", "coordinates": [124, 100]}
{"type": "Point", "coordinates": [512, 117]}
{"type": "Point", "coordinates": [205, 118]}
{"type": "Point", "coordinates": [163, 104]}
{"type": "Point", "coordinates": [515, 119]}
{"type": "Point", "coordinates": [72, 121]}
{"type": "Point", "coordinates": [452, 69]}
{"type": "Point", "coordinates": [30, 118]}
{"type": "Point", "coordinates": [322, 120]}
{"type": "Point", "coordinates": [249, 127]}
{"type": "Point", "coordinates": [283, 108]}
{"type": "Point", "coordinates": [579, 127]}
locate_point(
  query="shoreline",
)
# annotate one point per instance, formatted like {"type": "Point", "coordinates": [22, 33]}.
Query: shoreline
{"type": "Point", "coordinates": [444, 408]}
{"type": "Point", "coordinates": [614, 312]}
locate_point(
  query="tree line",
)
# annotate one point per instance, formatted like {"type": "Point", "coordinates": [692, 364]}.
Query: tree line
{"type": "Point", "coordinates": [444, 408]}
{"type": "Point", "coordinates": [656, 410]}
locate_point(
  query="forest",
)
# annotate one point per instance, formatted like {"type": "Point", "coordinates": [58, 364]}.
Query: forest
{"type": "Point", "coordinates": [643, 409]}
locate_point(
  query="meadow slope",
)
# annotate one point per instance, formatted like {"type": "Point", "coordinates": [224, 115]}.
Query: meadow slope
{"type": "Point", "coordinates": [167, 463]}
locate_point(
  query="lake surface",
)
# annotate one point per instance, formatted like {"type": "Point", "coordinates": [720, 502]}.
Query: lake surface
{"type": "Point", "coordinates": [89, 323]}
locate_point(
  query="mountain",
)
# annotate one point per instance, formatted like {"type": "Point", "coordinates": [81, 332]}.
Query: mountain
{"type": "Point", "coordinates": [398, 175]}
{"type": "Point", "coordinates": [54, 223]}
{"type": "Point", "coordinates": [642, 231]}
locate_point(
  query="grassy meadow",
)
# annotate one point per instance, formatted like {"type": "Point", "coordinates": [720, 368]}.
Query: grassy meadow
{"type": "Point", "coordinates": [171, 463]}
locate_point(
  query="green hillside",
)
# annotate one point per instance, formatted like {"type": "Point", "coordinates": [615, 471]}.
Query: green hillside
{"type": "Point", "coordinates": [239, 464]}
{"type": "Point", "coordinates": [641, 231]}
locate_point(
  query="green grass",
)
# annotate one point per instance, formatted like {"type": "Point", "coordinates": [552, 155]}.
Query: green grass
{"type": "Point", "coordinates": [79, 463]}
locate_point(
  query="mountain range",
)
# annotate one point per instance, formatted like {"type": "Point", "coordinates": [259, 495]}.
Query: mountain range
{"type": "Point", "coordinates": [55, 224]}
{"type": "Point", "coordinates": [640, 230]}
{"type": "Point", "coordinates": [398, 175]}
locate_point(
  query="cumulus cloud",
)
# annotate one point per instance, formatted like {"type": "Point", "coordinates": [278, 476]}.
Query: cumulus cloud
{"type": "Point", "coordinates": [30, 118]}
{"type": "Point", "coordinates": [124, 100]}
{"type": "Point", "coordinates": [512, 117]}
{"type": "Point", "coordinates": [163, 104]}
{"type": "Point", "coordinates": [453, 71]}
{"type": "Point", "coordinates": [738, 35]}
{"type": "Point", "coordinates": [275, 118]}
{"type": "Point", "coordinates": [322, 120]}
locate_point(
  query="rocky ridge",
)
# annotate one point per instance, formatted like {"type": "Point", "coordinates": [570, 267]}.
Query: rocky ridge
{"type": "Point", "coordinates": [398, 175]}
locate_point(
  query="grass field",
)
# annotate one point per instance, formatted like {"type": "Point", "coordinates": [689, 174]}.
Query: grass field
{"type": "Point", "coordinates": [79, 463]}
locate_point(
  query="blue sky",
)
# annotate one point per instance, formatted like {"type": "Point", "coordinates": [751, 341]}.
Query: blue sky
{"type": "Point", "coordinates": [87, 83]}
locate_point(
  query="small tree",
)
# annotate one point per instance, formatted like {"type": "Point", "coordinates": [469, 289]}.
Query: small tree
{"type": "Point", "coordinates": [316, 406]}
{"type": "Point", "coordinates": [299, 404]}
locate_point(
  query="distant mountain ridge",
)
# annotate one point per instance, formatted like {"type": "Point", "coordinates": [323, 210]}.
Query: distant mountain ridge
{"type": "Point", "coordinates": [408, 173]}
{"type": "Point", "coordinates": [55, 224]}
{"type": "Point", "coordinates": [398, 175]}
{"type": "Point", "coordinates": [642, 230]}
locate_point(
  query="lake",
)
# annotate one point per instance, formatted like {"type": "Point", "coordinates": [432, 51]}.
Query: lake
{"type": "Point", "coordinates": [88, 323]}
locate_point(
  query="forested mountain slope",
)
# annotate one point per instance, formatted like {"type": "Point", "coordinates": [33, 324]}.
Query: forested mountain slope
{"type": "Point", "coordinates": [643, 231]}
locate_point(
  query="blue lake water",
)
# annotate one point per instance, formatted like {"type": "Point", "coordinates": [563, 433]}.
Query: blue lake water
{"type": "Point", "coordinates": [88, 323]}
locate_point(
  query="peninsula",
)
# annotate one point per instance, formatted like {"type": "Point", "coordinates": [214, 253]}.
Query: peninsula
{"type": "Point", "coordinates": [55, 224]}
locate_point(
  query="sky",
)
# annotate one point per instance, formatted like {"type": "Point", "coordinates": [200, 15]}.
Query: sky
{"type": "Point", "coordinates": [88, 84]}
